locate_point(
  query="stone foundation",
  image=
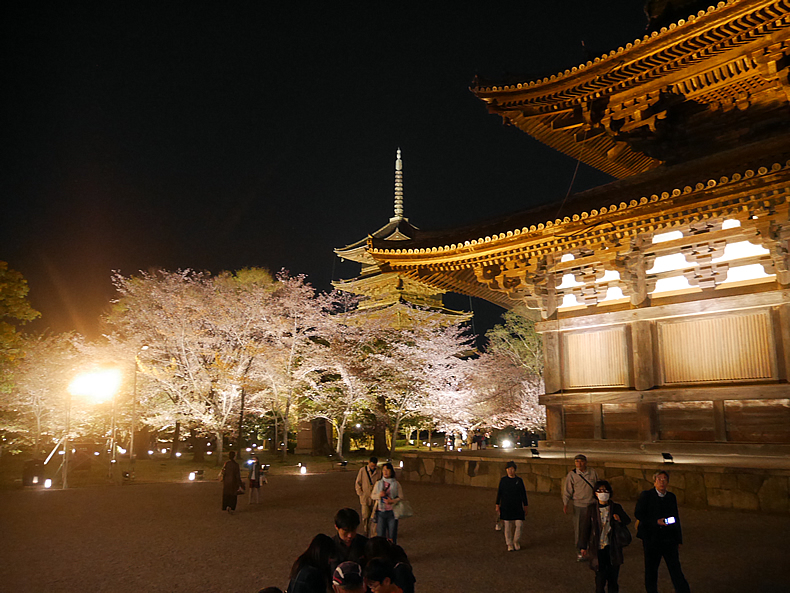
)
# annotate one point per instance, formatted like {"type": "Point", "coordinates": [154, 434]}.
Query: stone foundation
{"type": "Point", "coordinates": [698, 486]}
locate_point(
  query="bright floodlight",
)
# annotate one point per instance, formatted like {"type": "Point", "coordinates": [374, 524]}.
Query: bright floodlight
{"type": "Point", "coordinates": [150, 452]}
{"type": "Point", "coordinates": [401, 463]}
{"type": "Point", "coordinates": [47, 483]}
{"type": "Point", "coordinates": [191, 476]}
{"type": "Point", "coordinates": [303, 470]}
{"type": "Point", "coordinates": [164, 451]}
{"type": "Point", "coordinates": [359, 425]}
{"type": "Point", "coordinates": [507, 444]}
{"type": "Point", "coordinates": [178, 454]}
{"type": "Point", "coordinates": [99, 386]}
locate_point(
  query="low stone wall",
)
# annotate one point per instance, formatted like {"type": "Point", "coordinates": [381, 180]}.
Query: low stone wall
{"type": "Point", "coordinates": [699, 486]}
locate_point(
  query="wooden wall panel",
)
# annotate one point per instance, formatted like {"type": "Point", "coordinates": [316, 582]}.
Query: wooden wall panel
{"type": "Point", "coordinates": [758, 421]}
{"type": "Point", "coordinates": [620, 422]}
{"type": "Point", "coordinates": [579, 422]}
{"type": "Point", "coordinates": [738, 347]}
{"type": "Point", "coordinates": [595, 359]}
{"type": "Point", "coordinates": [685, 421]}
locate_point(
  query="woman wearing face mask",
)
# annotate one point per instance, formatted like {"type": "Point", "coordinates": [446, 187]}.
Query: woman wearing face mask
{"type": "Point", "coordinates": [596, 540]}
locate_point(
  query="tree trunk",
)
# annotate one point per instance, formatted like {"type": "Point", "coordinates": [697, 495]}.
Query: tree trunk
{"type": "Point", "coordinates": [218, 460]}
{"type": "Point", "coordinates": [380, 448]}
{"type": "Point", "coordinates": [430, 444]}
{"type": "Point", "coordinates": [341, 429]}
{"type": "Point", "coordinates": [198, 445]}
{"type": "Point", "coordinates": [394, 438]}
{"type": "Point", "coordinates": [241, 421]}
{"type": "Point", "coordinates": [176, 440]}
{"type": "Point", "coordinates": [276, 439]}
{"type": "Point", "coordinates": [284, 453]}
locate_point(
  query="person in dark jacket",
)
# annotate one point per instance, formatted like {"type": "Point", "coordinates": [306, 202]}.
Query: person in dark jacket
{"type": "Point", "coordinates": [660, 532]}
{"type": "Point", "coordinates": [597, 541]}
{"type": "Point", "coordinates": [311, 572]}
{"type": "Point", "coordinates": [511, 505]}
{"type": "Point", "coordinates": [231, 483]}
{"type": "Point", "coordinates": [349, 545]}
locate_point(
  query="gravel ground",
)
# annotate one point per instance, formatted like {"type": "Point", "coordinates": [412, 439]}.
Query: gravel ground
{"type": "Point", "coordinates": [173, 537]}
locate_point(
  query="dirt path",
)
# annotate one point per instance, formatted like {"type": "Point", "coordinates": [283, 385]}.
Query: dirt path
{"type": "Point", "coordinates": [173, 537]}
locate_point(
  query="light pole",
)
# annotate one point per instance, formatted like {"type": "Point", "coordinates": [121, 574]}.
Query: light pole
{"type": "Point", "coordinates": [134, 410]}
{"type": "Point", "coordinates": [67, 441]}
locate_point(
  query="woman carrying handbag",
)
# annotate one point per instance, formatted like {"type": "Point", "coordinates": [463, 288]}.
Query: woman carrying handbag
{"type": "Point", "coordinates": [603, 536]}
{"type": "Point", "coordinates": [388, 492]}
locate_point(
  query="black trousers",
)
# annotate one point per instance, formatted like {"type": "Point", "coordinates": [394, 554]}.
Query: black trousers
{"type": "Point", "coordinates": [229, 501]}
{"type": "Point", "coordinates": [606, 573]}
{"type": "Point", "coordinates": [654, 552]}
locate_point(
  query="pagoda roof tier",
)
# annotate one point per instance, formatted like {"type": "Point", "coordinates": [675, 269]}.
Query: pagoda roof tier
{"type": "Point", "coordinates": [712, 81]}
{"type": "Point", "coordinates": [397, 229]}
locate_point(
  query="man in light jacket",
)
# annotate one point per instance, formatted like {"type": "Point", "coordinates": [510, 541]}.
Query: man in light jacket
{"type": "Point", "coordinates": [366, 481]}
{"type": "Point", "coordinates": [578, 493]}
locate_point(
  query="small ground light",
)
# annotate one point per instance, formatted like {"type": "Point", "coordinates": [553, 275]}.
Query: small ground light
{"type": "Point", "coordinates": [47, 483]}
{"type": "Point", "coordinates": [122, 450]}
{"type": "Point", "coordinates": [35, 479]}
{"type": "Point", "coordinates": [150, 452]}
{"type": "Point", "coordinates": [249, 449]}
{"type": "Point", "coordinates": [178, 454]}
{"type": "Point", "coordinates": [303, 470]}
{"type": "Point", "coordinates": [60, 452]}
{"type": "Point", "coordinates": [208, 452]}
{"type": "Point", "coordinates": [164, 451]}
{"type": "Point", "coordinates": [191, 476]}
{"type": "Point", "coordinates": [401, 463]}
{"type": "Point", "coordinates": [359, 426]}
{"type": "Point", "coordinates": [95, 452]}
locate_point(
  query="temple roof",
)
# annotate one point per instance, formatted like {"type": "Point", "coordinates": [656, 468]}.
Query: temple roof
{"type": "Point", "coordinates": [710, 82]}
{"type": "Point", "coordinates": [655, 185]}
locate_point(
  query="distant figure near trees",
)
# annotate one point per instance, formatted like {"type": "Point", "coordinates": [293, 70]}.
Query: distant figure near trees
{"type": "Point", "coordinates": [364, 485]}
{"type": "Point", "coordinates": [230, 475]}
{"type": "Point", "coordinates": [255, 478]}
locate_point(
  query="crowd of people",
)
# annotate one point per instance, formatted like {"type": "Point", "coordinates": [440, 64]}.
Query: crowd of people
{"type": "Point", "coordinates": [353, 562]}
{"type": "Point", "coordinates": [350, 562]}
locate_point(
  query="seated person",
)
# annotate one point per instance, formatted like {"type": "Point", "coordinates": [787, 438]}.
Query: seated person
{"type": "Point", "coordinates": [347, 578]}
{"type": "Point", "coordinates": [349, 545]}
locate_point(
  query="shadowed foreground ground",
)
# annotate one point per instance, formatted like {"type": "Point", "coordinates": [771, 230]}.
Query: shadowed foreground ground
{"type": "Point", "coordinates": [173, 537]}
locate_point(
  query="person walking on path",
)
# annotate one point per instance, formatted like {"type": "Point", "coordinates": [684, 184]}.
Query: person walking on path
{"type": "Point", "coordinates": [387, 492]}
{"type": "Point", "coordinates": [231, 483]}
{"type": "Point", "coordinates": [512, 506]}
{"type": "Point", "coordinates": [578, 492]}
{"type": "Point", "coordinates": [366, 481]}
{"type": "Point", "coordinates": [659, 529]}
{"type": "Point", "coordinates": [255, 478]}
{"type": "Point", "coordinates": [597, 539]}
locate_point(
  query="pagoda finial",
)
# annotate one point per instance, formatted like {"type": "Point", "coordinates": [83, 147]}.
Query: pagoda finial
{"type": "Point", "coordinates": [398, 186]}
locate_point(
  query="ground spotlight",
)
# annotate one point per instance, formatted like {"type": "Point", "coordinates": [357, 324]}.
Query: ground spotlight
{"type": "Point", "coordinates": [192, 477]}
{"type": "Point", "coordinates": [303, 470]}
{"type": "Point", "coordinates": [178, 454]}
{"type": "Point", "coordinates": [47, 483]}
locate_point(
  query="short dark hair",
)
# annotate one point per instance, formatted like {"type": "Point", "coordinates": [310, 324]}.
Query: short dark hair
{"type": "Point", "coordinates": [511, 464]}
{"type": "Point", "coordinates": [377, 570]}
{"type": "Point", "coordinates": [232, 455]}
{"type": "Point", "coordinates": [388, 465]}
{"type": "Point", "coordinates": [374, 460]}
{"type": "Point", "coordinates": [659, 472]}
{"type": "Point", "coordinates": [347, 519]}
{"type": "Point", "coordinates": [603, 483]}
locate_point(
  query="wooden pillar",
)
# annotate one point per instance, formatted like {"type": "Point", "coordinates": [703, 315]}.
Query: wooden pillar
{"type": "Point", "coordinates": [781, 321]}
{"type": "Point", "coordinates": [719, 422]}
{"type": "Point", "coordinates": [643, 357]}
{"type": "Point", "coordinates": [552, 366]}
{"type": "Point", "coordinates": [555, 428]}
{"type": "Point", "coordinates": [647, 421]}
{"type": "Point", "coordinates": [598, 428]}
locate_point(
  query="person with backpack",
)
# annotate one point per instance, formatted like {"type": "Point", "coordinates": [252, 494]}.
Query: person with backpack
{"type": "Point", "coordinates": [578, 491]}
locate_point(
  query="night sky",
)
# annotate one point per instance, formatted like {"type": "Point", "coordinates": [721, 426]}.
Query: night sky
{"type": "Point", "coordinates": [218, 135]}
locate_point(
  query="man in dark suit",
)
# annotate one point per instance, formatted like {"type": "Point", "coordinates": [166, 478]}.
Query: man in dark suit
{"type": "Point", "coordinates": [659, 529]}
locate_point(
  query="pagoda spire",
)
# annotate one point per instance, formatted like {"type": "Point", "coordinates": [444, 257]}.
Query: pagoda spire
{"type": "Point", "coordinates": [398, 187]}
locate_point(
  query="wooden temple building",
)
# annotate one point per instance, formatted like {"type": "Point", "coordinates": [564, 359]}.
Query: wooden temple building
{"type": "Point", "coordinates": [664, 296]}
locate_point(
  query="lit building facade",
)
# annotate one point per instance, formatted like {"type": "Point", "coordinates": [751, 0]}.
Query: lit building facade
{"type": "Point", "coordinates": [663, 297]}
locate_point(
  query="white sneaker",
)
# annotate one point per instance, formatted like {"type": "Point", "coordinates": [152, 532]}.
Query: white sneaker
{"type": "Point", "coordinates": [517, 546]}
{"type": "Point", "coordinates": [510, 548]}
